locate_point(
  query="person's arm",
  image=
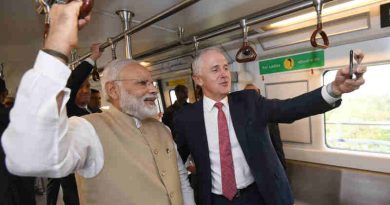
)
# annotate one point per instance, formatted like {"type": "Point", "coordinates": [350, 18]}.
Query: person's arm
{"type": "Point", "coordinates": [39, 140]}
{"type": "Point", "coordinates": [82, 71]}
{"type": "Point", "coordinates": [188, 193]}
{"type": "Point", "coordinates": [315, 102]}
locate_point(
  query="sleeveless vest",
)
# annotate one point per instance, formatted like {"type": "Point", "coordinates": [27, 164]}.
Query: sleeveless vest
{"type": "Point", "coordinates": [140, 165]}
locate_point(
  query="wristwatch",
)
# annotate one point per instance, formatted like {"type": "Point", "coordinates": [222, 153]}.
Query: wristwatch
{"type": "Point", "coordinates": [56, 54]}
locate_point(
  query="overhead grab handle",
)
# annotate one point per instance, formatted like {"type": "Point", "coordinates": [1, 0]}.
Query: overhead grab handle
{"type": "Point", "coordinates": [318, 4]}
{"type": "Point", "coordinates": [95, 73]}
{"type": "Point", "coordinates": [196, 45]}
{"type": "Point", "coordinates": [45, 5]}
{"type": "Point", "coordinates": [180, 34]}
{"type": "Point", "coordinates": [113, 48]}
{"type": "Point", "coordinates": [246, 52]}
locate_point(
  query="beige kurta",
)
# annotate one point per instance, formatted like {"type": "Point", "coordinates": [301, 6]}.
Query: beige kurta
{"type": "Point", "coordinates": [140, 165]}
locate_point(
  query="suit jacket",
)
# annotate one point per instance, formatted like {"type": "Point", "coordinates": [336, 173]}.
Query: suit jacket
{"type": "Point", "coordinates": [250, 114]}
{"type": "Point", "coordinates": [169, 113]}
{"type": "Point", "coordinates": [14, 189]}
{"type": "Point", "coordinates": [76, 78]}
{"type": "Point", "coordinates": [5, 176]}
{"type": "Point", "coordinates": [274, 133]}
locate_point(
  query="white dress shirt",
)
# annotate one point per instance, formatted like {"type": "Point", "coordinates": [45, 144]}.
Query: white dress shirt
{"type": "Point", "coordinates": [242, 171]}
{"type": "Point", "coordinates": [42, 141]}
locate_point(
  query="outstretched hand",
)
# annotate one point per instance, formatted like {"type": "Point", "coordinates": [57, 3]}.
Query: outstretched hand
{"type": "Point", "coordinates": [64, 26]}
{"type": "Point", "coordinates": [342, 83]}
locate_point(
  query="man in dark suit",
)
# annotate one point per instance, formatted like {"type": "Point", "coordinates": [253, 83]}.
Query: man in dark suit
{"type": "Point", "coordinates": [274, 132]}
{"type": "Point", "coordinates": [181, 93]}
{"type": "Point", "coordinates": [80, 93]}
{"type": "Point", "coordinates": [14, 190]}
{"type": "Point", "coordinates": [227, 136]}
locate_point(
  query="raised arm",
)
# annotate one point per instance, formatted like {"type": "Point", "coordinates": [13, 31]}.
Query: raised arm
{"type": "Point", "coordinates": [81, 73]}
{"type": "Point", "coordinates": [38, 140]}
{"type": "Point", "coordinates": [63, 32]}
{"type": "Point", "coordinates": [318, 101]}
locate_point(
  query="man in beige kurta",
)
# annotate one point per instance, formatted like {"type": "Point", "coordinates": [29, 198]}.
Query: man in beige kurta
{"type": "Point", "coordinates": [122, 155]}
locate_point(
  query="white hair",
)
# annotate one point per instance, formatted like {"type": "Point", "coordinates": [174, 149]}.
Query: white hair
{"type": "Point", "coordinates": [111, 72]}
{"type": "Point", "coordinates": [197, 64]}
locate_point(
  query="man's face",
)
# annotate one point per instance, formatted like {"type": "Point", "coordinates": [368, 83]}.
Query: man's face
{"type": "Point", "coordinates": [83, 94]}
{"type": "Point", "coordinates": [214, 75]}
{"type": "Point", "coordinates": [95, 101]}
{"type": "Point", "coordinates": [137, 92]}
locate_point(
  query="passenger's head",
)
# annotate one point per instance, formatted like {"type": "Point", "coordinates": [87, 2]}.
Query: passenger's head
{"type": "Point", "coordinates": [212, 73]}
{"type": "Point", "coordinates": [250, 86]}
{"type": "Point", "coordinates": [83, 95]}
{"type": "Point", "coordinates": [9, 102]}
{"type": "Point", "coordinates": [198, 92]}
{"type": "Point", "coordinates": [181, 92]}
{"type": "Point", "coordinates": [3, 90]}
{"type": "Point", "coordinates": [95, 100]}
{"type": "Point", "coordinates": [129, 87]}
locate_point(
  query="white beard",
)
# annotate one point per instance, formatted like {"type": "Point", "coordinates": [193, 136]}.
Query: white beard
{"type": "Point", "coordinates": [136, 106]}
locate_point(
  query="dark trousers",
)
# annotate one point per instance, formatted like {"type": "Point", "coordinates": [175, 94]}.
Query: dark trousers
{"type": "Point", "coordinates": [69, 189]}
{"type": "Point", "coordinates": [19, 192]}
{"type": "Point", "coordinates": [247, 196]}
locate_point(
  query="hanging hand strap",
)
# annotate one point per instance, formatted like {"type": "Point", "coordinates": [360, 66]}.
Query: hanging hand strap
{"type": "Point", "coordinates": [313, 40]}
{"type": "Point", "coordinates": [113, 48]}
{"type": "Point", "coordinates": [95, 73]}
{"type": "Point", "coordinates": [246, 53]}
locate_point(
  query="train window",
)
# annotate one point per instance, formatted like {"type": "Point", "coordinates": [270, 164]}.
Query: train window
{"type": "Point", "coordinates": [172, 96]}
{"type": "Point", "coordinates": [362, 122]}
{"type": "Point", "coordinates": [158, 100]}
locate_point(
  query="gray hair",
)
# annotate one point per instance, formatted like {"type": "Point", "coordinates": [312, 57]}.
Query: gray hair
{"type": "Point", "coordinates": [111, 72]}
{"type": "Point", "coordinates": [198, 61]}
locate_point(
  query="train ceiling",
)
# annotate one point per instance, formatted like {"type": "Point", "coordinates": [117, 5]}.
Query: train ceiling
{"type": "Point", "coordinates": [21, 25]}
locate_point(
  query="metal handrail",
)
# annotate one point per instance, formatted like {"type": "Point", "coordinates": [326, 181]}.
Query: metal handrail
{"type": "Point", "coordinates": [158, 17]}
{"type": "Point", "coordinates": [252, 19]}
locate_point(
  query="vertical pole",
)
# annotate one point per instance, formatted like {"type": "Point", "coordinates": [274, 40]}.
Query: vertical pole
{"type": "Point", "coordinates": [126, 16]}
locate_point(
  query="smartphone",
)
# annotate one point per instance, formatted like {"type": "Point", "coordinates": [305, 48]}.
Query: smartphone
{"type": "Point", "coordinates": [350, 64]}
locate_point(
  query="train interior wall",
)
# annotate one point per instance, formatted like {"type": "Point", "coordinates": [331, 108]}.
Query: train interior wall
{"type": "Point", "coordinates": [320, 175]}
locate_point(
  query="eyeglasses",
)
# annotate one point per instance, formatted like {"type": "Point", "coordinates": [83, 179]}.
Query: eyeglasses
{"type": "Point", "coordinates": [139, 82]}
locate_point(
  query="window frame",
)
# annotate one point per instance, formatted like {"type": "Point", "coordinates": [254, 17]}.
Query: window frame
{"type": "Point", "coordinates": [326, 143]}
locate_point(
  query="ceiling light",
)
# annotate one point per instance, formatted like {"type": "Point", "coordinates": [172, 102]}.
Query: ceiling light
{"type": "Point", "coordinates": [326, 11]}
{"type": "Point", "coordinates": [145, 64]}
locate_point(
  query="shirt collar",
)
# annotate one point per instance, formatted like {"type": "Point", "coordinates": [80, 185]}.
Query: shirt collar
{"type": "Point", "coordinates": [208, 104]}
{"type": "Point", "coordinates": [138, 122]}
